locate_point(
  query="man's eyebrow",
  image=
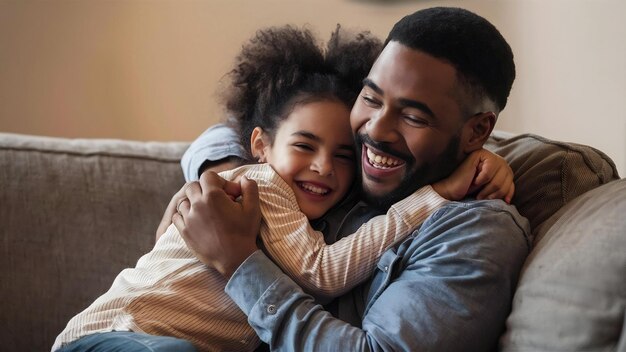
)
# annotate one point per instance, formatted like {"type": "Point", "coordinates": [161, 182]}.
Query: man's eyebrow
{"type": "Point", "coordinates": [316, 138]}
{"type": "Point", "coordinates": [403, 101]}
{"type": "Point", "coordinates": [369, 83]}
{"type": "Point", "coordinates": [417, 105]}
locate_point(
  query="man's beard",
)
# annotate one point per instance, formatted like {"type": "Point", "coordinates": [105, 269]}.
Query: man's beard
{"type": "Point", "coordinates": [426, 174]}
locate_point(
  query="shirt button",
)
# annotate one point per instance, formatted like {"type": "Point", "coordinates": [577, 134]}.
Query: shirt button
{"type": "Point", "coordinates": [271, 309]}
{"type": "Point", "coordinates": [386, 268]}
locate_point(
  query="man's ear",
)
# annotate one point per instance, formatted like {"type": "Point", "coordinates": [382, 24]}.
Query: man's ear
{"type": "Point", "coordinates": [258, 143]}
{"type": "Point", "coordinates": [476, 131]}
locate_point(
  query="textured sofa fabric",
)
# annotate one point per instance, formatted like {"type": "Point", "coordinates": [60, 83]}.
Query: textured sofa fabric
{"type": "Point", "coordinates": [76, 212]}
{"type": "Point", "coordinates": [73, 213]}
{"type": "Point", "coordinates": [572, 293]}
{"type": "Point", "coordinates": [549, 174]}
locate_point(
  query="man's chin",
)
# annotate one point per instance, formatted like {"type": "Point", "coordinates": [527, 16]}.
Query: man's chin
{"type": "Point", "coordinates": [383, 197]}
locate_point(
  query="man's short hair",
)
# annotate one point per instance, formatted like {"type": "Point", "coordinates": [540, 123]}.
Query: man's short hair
{"type": "Point", "coordinates": [482, 57]}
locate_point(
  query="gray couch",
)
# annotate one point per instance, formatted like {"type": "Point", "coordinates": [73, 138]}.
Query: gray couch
{"type": "Point", "coordinates": [73, 213]}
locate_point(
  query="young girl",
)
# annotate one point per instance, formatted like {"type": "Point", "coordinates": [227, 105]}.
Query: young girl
{"type": "Point", "coordinates": [291, 101]}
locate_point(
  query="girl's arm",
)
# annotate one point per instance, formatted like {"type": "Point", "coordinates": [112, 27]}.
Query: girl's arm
{"type": "Point", "coordinates": [331, 270]}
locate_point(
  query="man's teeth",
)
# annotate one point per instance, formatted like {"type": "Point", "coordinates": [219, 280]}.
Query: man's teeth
{"type": "Point", "coordinates": [381, 162]}
{"type": "Point", "coordinates": [314, 189]}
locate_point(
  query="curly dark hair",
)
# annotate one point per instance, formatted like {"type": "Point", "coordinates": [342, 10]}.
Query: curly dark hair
{"type": "Point", "coordinates": [282, 67]}
{"type": "Point", "coordinates": [482, 57]}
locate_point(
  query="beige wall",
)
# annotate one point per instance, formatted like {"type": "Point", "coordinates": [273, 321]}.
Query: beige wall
{"type": "Point", "coordinates": [148, 70]}
{"type": "Point", "coordinates": [571, 81]}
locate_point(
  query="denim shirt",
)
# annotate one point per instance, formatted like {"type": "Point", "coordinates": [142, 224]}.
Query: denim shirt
{"type": "Point", "coordinates": [447, 287]}
{"type": "Point", "coordinates": [216, 143]}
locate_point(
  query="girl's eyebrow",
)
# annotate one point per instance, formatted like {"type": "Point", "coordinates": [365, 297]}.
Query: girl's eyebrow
{"type": "Point", "coordinates": [308, 135]}
{"type": "Point", "coordinates": [316, 138]}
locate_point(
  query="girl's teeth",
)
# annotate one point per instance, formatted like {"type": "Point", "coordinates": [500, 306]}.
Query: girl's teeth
{"type": "Point", "coordinates": [314, 189]}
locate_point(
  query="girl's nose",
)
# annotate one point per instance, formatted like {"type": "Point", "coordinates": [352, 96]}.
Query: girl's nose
{"type": "Point", "coordinates": [323, 165]}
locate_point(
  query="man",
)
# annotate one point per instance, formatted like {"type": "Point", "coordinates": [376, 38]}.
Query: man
{"type": "Point", "coordinates": [431, 98]}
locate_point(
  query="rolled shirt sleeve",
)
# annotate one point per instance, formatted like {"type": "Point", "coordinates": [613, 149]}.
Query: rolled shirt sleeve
{"type": "Point", "coordinates": [446, 288]}
{"type": "Point", "coordinates": [216, 143]}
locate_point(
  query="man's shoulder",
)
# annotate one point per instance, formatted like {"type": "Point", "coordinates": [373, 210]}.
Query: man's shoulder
{"type": "Point", "coordinates": [473, 207]}
{"type": "Point", "coordinates": [480, 219]}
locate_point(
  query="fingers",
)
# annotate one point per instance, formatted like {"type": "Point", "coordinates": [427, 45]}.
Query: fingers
{"type": "Point", "coordinates": [182, 210]}
{"type": "Point", "coordinates": [178, 221]}
{"type": "Point", "coordinates": [506, 190]}
{"type": "Point", "coordinates": [481, 177]}
{"type": "Point", "coordinates": [170, 210]}
{"type": "Point", "coordinates": [505, 194]}
{"type": "Point", "coordinates": [495, 177]}
{"type": "Point", "coordinates": [490, 190]}
{"type": "Point", "coordinates": [493, 187]}
{"type": "Point", "coordinates": [487, 164]}
{"type": "Point", "coordinates": [211, 181]}
{"type": "Point", "coordinates": [166, 220]}
{"type": "Point", "coordinates": [250, 198]}
{"type": "Point", "coordinates": [193, 192]}
{"type": "Point", "coordinates": [178, 206]}
{"type": "Point", "coordinates": [233, 189]}
{"type": "Point", "coordinates": [509, 196]}
{"type": "Point", "coordinates": [501, 186]}
{"type": "Point", "coordinates": [183, 207]}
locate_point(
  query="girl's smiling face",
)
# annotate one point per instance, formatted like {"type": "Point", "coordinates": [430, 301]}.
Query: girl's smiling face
{"type": "Point", "coordinates": [313, 152]}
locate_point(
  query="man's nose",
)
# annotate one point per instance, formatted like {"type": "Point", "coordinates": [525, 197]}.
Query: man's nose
{"type": "Point", "coordinates": [323, 165]}
{"type": "Point", "coordinates": [382, 126]}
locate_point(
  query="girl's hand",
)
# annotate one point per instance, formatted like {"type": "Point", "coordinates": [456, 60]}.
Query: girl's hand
{"type": "Point", "coordinates": [494, 178]}
{"type": "Point", "coordinates": [483, 172]}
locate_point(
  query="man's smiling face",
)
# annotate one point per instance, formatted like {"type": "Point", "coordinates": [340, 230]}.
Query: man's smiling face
{"type": "Point", "coordinates": [407, 122]}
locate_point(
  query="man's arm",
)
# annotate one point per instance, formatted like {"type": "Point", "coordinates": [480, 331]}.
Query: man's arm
{"type": "Point", "coordinates": [449, 288]}
{"type": "Point", "coordinates": [216, 149]}
{"type": "Point", "coordinates": [218, 145]}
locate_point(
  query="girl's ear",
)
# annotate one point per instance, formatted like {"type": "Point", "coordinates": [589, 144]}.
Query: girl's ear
{"type": "Point", "coordinates": [258, 143]}
{"type": "Point", "coordinates": [476, 131]}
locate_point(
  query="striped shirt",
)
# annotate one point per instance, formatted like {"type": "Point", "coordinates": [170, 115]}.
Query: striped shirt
{"type": "Point", "coordinates": [171, 293]}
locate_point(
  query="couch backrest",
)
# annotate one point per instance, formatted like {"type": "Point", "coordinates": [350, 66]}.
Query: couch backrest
{"type": "Point", "coordinates": [73, 213]}
{"type": "Point", "coordinates": [550, 174]}
{"type": "Point", "coordinates": [76, 212]}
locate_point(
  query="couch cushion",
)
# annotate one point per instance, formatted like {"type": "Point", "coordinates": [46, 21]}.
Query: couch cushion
{"type": "Point", "coordinates": [572, 292]}
{"type": "Point", "coordinates": [549, 174]}
{"type": "Point", "coordinates": [74, 213]}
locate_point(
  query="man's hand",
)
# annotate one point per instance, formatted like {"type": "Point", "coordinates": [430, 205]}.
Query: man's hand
{"type": "Point", "coordinates": [219, 230]}
{"type": "Point", "coordinates": [170, 211]}
{"type": "Point", "coordinates": [481, 170]}
{"type": "Point", "coordinates": [215, 166]}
